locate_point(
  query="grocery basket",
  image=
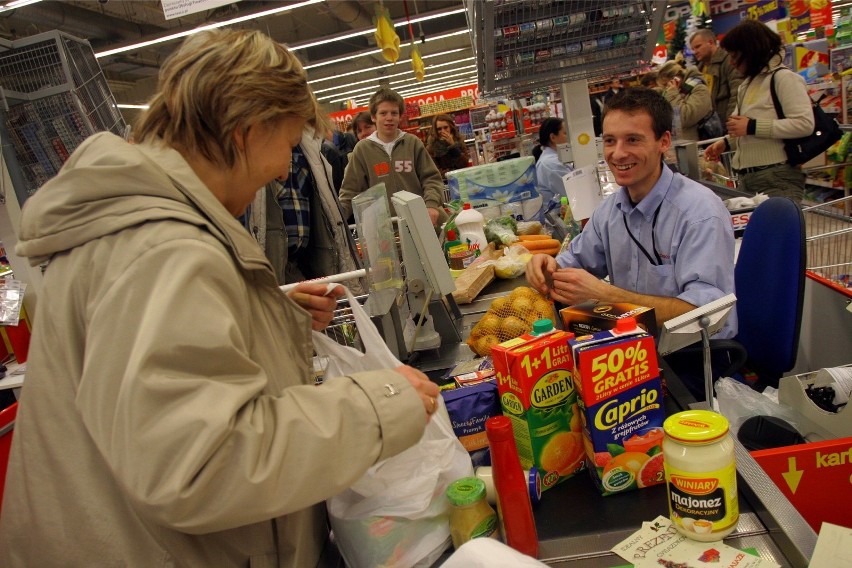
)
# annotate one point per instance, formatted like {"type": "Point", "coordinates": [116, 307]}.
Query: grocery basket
{"type": "Point", "coordinates": [829, 240]}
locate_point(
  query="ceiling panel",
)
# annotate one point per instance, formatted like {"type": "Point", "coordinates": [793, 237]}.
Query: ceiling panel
{"type": "Point", "coordinates": [108, 24]}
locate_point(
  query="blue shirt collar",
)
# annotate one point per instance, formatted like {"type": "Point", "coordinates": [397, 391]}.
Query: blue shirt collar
{"type": "Point", "coordinates": [649, 204]}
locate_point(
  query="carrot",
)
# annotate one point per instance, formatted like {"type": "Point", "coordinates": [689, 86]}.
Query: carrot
{"type": "Point", "coordinates": [523, 238]}
{"type": "Point", "coordinates": [551, 251]}
{"type": "Point", "coordinates": [539, 245]}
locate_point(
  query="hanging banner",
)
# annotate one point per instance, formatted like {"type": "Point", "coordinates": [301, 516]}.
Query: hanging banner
{"type": "Point", "coordinates": [729, 13]}
{"type": "Point", "coordinates": [177, 8]}
{"type": "Point", "coordinates": [447, 94]}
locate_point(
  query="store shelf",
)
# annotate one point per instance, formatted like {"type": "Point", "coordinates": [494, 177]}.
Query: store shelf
{"type": "Point", "coordinates": [525, 45]}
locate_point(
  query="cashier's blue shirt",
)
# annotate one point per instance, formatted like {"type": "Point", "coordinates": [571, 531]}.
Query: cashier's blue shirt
{"type": "Point", "coordinates": [693, 237]}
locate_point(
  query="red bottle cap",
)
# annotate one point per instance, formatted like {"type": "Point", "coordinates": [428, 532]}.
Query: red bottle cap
{"type": "Point", "coordinates": [466, 206]}
{"type": "Point", "coordinates": [498, 428]}
{"type": "Point", "coordinates": [623, 325]}
{"type": "Point", "coordinates": [451, 235]}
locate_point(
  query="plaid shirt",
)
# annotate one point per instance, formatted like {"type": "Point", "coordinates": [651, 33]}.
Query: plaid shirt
{"type": "Point", "coordinates": [295, 200]}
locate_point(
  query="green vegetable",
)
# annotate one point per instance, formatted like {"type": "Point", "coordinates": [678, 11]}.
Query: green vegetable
{"type": "Point", "coordinates": [501, 231]}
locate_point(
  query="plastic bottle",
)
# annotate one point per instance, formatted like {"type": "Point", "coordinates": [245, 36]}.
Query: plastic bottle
{"type": "Point", "coordinates": [513, 498]}
{"type": "Point", "coordinates": [452, 241]}
{"type": "Point", "coordinates": [469, 222]}
{"type": "Point", "coordinates": [542, 327]}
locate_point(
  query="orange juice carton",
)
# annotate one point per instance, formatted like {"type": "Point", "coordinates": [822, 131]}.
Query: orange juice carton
{"type": "Point", "coordinates": [592, 316]}
{"type": "Point", "coordinates": [621, 405]}
{"type": "Point", "coordinates": [537, 394]}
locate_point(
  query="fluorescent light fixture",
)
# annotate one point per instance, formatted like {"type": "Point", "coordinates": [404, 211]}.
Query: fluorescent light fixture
{"type": "Point", "coordinates": [407, 72]}
{"type": "Point", "coordinates": [214, 25]}
{"type": "Point", "coordinates": [366, 31]}
{"type": "Point", "coordinates": [401, 85]}
{"type": "Point", "coordinates": [349, 93]}
{"type": "Point", "coordinates": [359, 71]}
{"type": "Point", "coordinates": [17, 4]}
{"type": "Point", "coordinates": [138, 107]}
{"type": "Point", "coordinates": [372, 51]}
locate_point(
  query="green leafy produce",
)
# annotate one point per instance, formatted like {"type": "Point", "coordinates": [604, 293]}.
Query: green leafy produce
{"type": "Point", "coordinates": [501, 231]}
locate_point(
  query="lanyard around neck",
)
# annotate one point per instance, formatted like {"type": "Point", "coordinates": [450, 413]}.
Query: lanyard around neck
{"type": "Point", "coordinates": [659, 261]}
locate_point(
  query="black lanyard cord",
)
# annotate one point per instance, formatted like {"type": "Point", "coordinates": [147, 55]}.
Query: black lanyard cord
{"type": "Point", "coordinates": [659, 261]}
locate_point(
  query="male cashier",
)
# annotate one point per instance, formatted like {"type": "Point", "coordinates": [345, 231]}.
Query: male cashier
{"type": "Point", "coordinates": [664, 241]}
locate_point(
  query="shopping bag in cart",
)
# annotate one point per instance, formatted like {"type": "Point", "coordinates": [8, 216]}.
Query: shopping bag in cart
{"type": "Point", "coordinates": [396, 515]}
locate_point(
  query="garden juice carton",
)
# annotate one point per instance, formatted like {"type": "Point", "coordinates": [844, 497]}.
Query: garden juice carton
{"type": "Point", "coordinates": [537, 394]}
{"type": "Point", "coordinates": [621, 403]}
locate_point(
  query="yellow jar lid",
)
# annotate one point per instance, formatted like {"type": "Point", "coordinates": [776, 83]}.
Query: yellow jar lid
{"type": "Point", "coordinates": [696, 426]}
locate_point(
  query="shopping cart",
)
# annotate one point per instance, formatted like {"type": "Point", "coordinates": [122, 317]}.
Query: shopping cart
{"type": "Point", "coordinates": [829, 240]}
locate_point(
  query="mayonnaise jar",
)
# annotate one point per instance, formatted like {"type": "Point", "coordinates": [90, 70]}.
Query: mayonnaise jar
{"type": "Point", "coordinates": [701, 475]}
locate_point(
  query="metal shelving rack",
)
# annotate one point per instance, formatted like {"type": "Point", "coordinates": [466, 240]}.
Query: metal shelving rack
{"type": "Point", "coordinates": [522, 45]}
{"type": "Point", "coordinates": [54, 95]}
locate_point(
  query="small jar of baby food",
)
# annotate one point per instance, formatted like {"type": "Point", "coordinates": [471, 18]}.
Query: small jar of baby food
{"type": "Point", "coordinates": [701, 475]}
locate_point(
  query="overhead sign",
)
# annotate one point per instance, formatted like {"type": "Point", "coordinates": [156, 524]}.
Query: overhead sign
{"type": "Point", "coordinates": [177, 8]}
{"type": "Point", "coordinates": [447, 94]}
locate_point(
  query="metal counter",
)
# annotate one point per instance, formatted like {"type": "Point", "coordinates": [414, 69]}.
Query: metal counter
{"type": "Point", "coordinates": [577, 526]}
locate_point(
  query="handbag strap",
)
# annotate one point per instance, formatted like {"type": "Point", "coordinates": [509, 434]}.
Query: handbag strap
{"type": "Point", "coordinates": [777, 103]}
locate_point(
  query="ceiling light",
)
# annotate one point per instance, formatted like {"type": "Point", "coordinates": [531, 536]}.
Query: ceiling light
{"type": "Point", "coordinates": [360, 71]}
{"type": "Point", "coordinates": [138, 107]}
{"type": "Point", "coordinates": [214, 25]}
{"type": "Point", "coordinates": [366, 31]}
{"type": "Point", "coordinates": [439, 75]}
{"type": "Point", "coordinates": [406, 73]}
{"type": "Point", "coordinates": [373, 51]}
{"type": "Point", "coordinates": [17, 4]}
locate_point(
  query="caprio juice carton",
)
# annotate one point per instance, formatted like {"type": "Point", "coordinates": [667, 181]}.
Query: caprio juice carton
{"type": "Point", "coordinates": [621, 403]}
{"type": "Point", "coordinates": [537, 394]}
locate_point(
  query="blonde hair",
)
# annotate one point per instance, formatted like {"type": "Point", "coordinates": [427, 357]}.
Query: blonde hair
{"type": "Point", "coordinates": [223, 81]}
{"type": "Point", "coordinates": [670, 70]}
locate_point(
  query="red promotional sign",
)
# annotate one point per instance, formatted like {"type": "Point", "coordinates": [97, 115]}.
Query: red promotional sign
{"type": "Point", "coordinates": [454, 93]}
{"type": "Point", "coordinates": [820, 13]}
{"type": "Point", "coordinates": [814, 477]}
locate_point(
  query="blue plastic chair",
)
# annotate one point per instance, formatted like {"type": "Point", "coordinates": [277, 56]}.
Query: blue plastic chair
{"type": "Point", "coordinates": [769, 278]}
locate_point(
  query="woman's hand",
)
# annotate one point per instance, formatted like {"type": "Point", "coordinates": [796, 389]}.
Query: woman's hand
{"type": "Point", "coordinates": [433, 216]}
{"type": "Point", "coordinates": [317, 300]}
{"type": "Point", "coordinates": [714, 150]}
{"type": "Point", "coordinates": [447, 137]}
{"type": "Point", "coordinates": [737, 125]}
{"type": "Point", "coordinates": [426, 389]}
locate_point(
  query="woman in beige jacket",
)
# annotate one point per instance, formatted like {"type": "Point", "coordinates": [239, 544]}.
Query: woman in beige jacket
{"type": "Point", "coordinates": [169, 416]}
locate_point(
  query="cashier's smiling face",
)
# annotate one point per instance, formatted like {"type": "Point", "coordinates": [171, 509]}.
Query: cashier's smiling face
{"type": "Point", "coordinates": [632, 151]}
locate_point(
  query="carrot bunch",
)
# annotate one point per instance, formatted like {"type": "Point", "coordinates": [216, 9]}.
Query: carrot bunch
{"type": "Point", "coordinates": [539, 244]}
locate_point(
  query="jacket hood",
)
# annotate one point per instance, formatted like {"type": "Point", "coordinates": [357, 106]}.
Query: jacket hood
{"type": "Point", "coordinates": [108, 185]}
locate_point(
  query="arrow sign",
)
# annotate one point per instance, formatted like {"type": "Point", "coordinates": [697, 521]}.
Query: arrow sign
{"type": "Point", "coordinates": [793, 476]}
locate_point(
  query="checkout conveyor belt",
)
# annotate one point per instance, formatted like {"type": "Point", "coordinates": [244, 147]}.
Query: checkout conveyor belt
{"type": "Point", "coordinates": [577, 526]}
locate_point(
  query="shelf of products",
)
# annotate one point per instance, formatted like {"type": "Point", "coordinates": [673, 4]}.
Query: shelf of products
{"type": "Point", "coordinates": [522, 45]}
{"type": "Point", "coordinates": [55, 96]}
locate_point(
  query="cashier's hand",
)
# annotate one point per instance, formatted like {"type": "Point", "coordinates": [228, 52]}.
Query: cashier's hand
{"type": "Point", "coordinates": [426, 389]}
{"type": "Point", "coordinates": [714, 150]}
{"type": "Point", "coordinates": [737, 125]}
{"type": "Point", "coordinates": [316, 301]}
{"type": "Point", "coordinates": [433, 215]}
{"type": "Point", "coordinates": [540, 269]}
{"type": "Point", "coordinates": [574, 285]}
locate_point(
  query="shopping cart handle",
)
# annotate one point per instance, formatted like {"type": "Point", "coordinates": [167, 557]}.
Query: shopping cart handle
{"type": "Point", "coordinates": [342, 277]}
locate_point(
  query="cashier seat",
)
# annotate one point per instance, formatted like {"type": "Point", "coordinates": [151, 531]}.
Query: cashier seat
{"type": "Point", "coordinates": [769, 278]}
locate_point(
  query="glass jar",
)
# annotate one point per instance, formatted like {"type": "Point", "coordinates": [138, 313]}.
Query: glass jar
{"type": "Point", "coordinates": [701, 475]}
{"type": "Point", "coordinates": [470, 515]}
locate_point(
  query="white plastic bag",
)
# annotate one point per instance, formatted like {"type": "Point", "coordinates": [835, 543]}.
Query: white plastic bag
{"type": "Point", "coordinates": [739, 402]}
{"type": "Point", "coordinates": [396, 515]}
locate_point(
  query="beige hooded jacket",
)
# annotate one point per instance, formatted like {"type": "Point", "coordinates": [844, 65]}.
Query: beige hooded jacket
{"type": "Point", "coordinates": [169, 416]}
